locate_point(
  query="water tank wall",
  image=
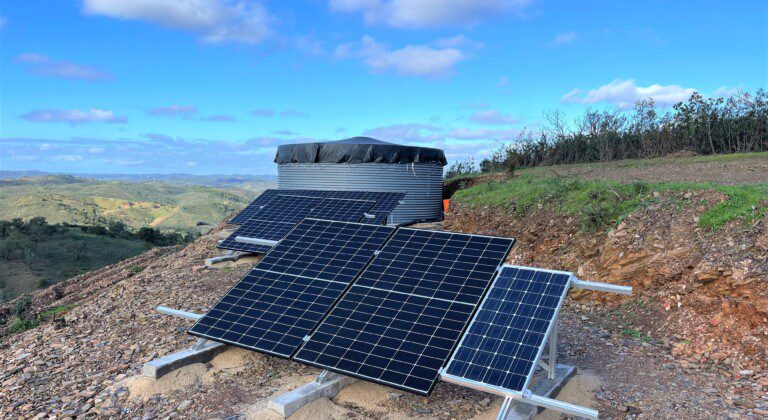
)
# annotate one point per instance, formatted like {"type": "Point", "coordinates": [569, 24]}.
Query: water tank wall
{"type": "Point", "coordinates": [423, 184]}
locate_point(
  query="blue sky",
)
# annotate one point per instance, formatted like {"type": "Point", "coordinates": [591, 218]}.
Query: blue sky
{"type": "Point", "coordinates": [212, 86]}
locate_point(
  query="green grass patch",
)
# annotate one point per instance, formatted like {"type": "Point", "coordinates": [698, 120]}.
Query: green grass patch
{"type": "Point", "coordinates": [601, 204]}
{"type": "Point", "coordinates": [637, 335]}
{"type": "Point", "coordinates": [136, 269]}
{"type": "Point", "coordinates": [55, 311]}
{"type": "Point", "coordinates": [21, 324]}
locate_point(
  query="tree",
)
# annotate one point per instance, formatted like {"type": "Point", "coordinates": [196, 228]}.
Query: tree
{"type": "Point", "coordinates": [77, 249]}
{"type": "Point", "coordinates": [29, 256]}
{"type": "Point", "coordinates": [117, 228]}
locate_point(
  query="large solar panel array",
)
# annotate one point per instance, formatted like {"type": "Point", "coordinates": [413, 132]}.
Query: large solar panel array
{"type": "Point", "coordinates": [284, 297]}
{"type": "Point", "coordinates": [271, 215]}
{"type": "Point", "coordinates": [400, 321]}
{"type": "Point", "coordinates": [507, 335]}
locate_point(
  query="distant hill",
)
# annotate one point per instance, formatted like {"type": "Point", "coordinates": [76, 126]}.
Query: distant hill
{"type": "Point", "coordinates": [246, 182]}
{"type": "Point", "coordinates": [162, 205]}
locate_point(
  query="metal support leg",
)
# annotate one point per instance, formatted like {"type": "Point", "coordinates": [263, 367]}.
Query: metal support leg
{"type": "Point", "coordinates": [505, 406]}
{"type": "Point", "coordinates": [553, 350]}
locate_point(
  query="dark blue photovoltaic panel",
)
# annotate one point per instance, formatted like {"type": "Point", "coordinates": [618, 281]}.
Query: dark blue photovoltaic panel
{"type": "Point", "coordinates": [269, 312]}
{"type": "Point", "coordinates": [505, 339]}
{"type": "Point", "coordinates": [254, 207]}
{"type": "Point", "coordinates": [287, 209]}
{"type": "Point", "coordinates": [273, 231]}
{"type": "Point", "coordinates": [341, 210]}
{"type": "Point", "coordinates": [437, 264]}
{"type": "Point", "coordinates": [265, 197]}
{"type": "Point", "coordinates": [284, 297]}
{"type": "Point", "coordinates": [385, 203]}
{"type": "Point", "coordinates": [392, 338]}
{"type": "Point", "coordinates": [399, 322]}
{"type": "Point", "coordinates": [326, 250]}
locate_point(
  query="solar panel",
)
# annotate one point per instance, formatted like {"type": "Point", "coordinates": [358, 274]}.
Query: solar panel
{"type": "Point", "coordinates": [326, 250]}
{"type": "Point", "coordinates": [342, 210]}
{"type": "Point", "coordinates": [385, 203]}
{"type": "Point", "coordinates": [281, 300]}
{"type": "Point", "coordinates": [442, 265]}
{"type": "Point", "coordinates": [254, 207]}
{"type": "Point", "coordinates": [287, 209]}
{"type": "Point", "coordinates": [399, 322]}
{"type": "Point", "coordinates": [273, 231]}
{"type": "Point", "coordinates": [268, 312]}
{"type": "Point", "coordinates": [509, 330]}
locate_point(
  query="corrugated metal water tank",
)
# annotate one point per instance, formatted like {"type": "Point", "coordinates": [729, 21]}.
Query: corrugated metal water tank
{"type": "Point", "coordinates": [366, 164]}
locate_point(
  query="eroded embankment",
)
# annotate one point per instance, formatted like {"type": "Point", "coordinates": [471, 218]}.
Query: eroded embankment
{"type": "Point", "coordinates": [703, 291]}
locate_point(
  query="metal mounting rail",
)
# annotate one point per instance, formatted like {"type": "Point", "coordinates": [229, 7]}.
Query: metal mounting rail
{"type": "Point", "coordinates": [177, 312]}
{"type": "Point", "coordinates": [255, 241]}
{"type": "Point", "coordinates": [601, 287]}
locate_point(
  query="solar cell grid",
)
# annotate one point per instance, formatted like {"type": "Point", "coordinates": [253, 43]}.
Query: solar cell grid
{"type": "Point", "coordinates": [341, 210]}
{"type": "Point", "coordinates": [326, 250]}
{"type": "Point", "coordinates": [437, 264]}
{"type": "Point", "coordinates": [288, 208]}
{"type": "Point", "coordinates": [269, 312]}
{"type": "Point", "coordinates": [401, 319]}
{"type": "Point", "coordinates": [253, 207]}
{"type": "Point", "coordinates": [397, 339]}
{"type": "Point", "coordinates": [506, 337]}
{"type": "Point", "coordinates": [284, 297]}
{"type": "Point", "coordinates": [273, 231]}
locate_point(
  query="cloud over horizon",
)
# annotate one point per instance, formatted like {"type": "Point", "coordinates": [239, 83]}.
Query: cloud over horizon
{"type": "Point", "coordinates": [45, 66]}
{"type": "Point", "coordinates": [73, 116]}
{"type": "Point", "coordinates": [415, 14]}
{"type": "Point", "coordinates": [626, 92]}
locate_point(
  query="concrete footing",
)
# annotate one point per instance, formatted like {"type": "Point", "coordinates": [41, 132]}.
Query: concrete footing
{"type": "Point", "coordinates": [544, 387]}
{"type": "Point", "coordinates": [288, 403]}
{"type": "Point", "coordinates": [166, 364]}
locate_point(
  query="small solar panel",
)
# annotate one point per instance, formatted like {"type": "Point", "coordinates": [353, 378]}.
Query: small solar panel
{"type": "Point", "coordinates": [284, 297]}
{"type": "Point", "coordinates": [326, 250]}
{"type": "Point", "coordinates": [273, 231]}
{"type": "Point", "coordinates": [399, 322]}
{"type": "Point", "coordinates": [341, 210]}
{"type": "Point", "coordinates": [509, 330]}
{"type": "Point", "coordinates": [254, 207]}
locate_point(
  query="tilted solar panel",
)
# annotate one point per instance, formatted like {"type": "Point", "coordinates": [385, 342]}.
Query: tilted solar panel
{"type": "Point", "coordinates": [281, 300]}
{"type": "Point", "coordinates": [254, 207]}
{"type": "Point", "coordinates": [509, 330]}
{"type": "Point", "coordinates": [399, 322]}
{"type": "Point", "coordinates": [341, 210]}
{"type": "Point", "coordinates": [385, 203]}
{"type": "Point", "coordinates": [273, 231]}
{"type": "Point", "coordinates": [268, 312]}
{"type": "Point", "coordinates": [326, 250]}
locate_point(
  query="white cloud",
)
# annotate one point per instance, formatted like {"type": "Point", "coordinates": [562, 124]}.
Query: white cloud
{"type": "Point", "coordinates": [269, 112]}
{"type": "Point", "coordinates": [482, 134]}
{"type": "Point", "coordinates": [214, 20]}
{"type": "Point", "coordinates": [411, 60]}
{"type": "Point", "coordinates": [173, 111]}
{"type": "Point", "coordinates": [726, 92]}
{"type": "Point", "coordinates": [96, 149]}
{"type": "Point", "coordinates": [428, 13]}
{"type": "Point", "coordinates": [44, 65]}
{"type": "Point", "coordinates": [407, 132]}
{"type": "Point", "coordinates": [564, 38]}
{"type": "Point", "coordinates": [491, 116]}
{"type": "Point", "coordinates": [73, 116]}
{"type": "Point", "coordinates": [459, 41]}
{"type": "Point", "coordinates": [627, 92]}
